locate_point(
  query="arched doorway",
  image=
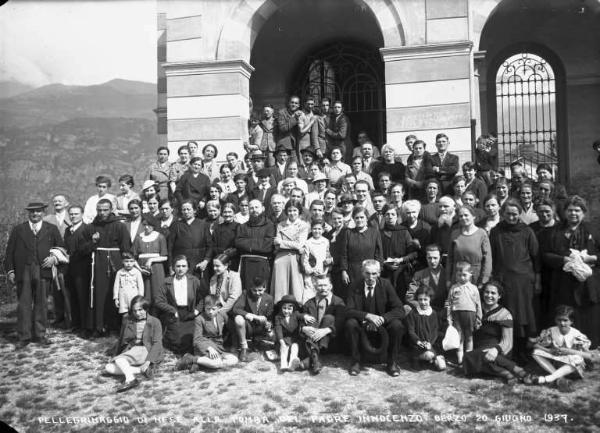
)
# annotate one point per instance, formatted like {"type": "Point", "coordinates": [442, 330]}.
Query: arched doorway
{"type": "Point", "coordinates": [309, 47]}
{"type": "Point", "coordinates": [352, 73]}
{"type": "Point", "coordinates": [525, 108]}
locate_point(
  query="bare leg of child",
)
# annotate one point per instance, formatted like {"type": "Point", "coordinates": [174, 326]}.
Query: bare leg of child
{"type": "Point", "coordinates": [294, 361]}
{"type": "Point", "coordinates": [284, 351]}
{"type": "Point", "coordinates": [229, 359]}
{"type": "Point", "coordinates": [468, 344]}
{"type": "Point", "coordinates": [439, 362]}
{"type": "Point", "coordinates": [460, 351]}
{"type": "Point", "coordinates": [208, 362]}
{"type": "Point", "coordinates": [127, 369]}
{"type": "Point", "coordinates": [544, 363]}
{"type": "Point", "coordinates": [427, 356]}
{"type": "Point", "coordinates": [562, 371]}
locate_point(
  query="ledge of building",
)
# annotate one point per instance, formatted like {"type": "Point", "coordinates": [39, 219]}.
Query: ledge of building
{"type": "Point", "coordinates": [202, 67]}
{"type": "Point", "coordinates": [445, 49]}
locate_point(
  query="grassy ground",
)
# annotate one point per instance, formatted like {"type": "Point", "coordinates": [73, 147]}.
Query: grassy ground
{"type": "Point", "coordinates": [45, 388]}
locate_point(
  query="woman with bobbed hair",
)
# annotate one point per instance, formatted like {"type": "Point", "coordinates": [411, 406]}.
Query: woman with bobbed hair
{"type": "Point", "coordinates": [469, 244]}
{"type": "Point", "coordinates": [139, 348]}
{"type": "Point", "coordinates": [388, 164]}
{"type": "Point", "coordinates": [493, 341]}
{"type": "Point", "coordinates": [575, 240]}
{"type": "Point", "coordinates": [193, 184]}
{"type": "Point", "coordinates": [358, 244]}
{"type": "Point", "coordinates": [289, 244]}
{"type": "Point", "coordinates": [209, 162]}
{"type": "Point", "coordinates": [178, 302]}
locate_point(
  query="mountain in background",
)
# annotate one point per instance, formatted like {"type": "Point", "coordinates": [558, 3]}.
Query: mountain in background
{"type": "Point", "coordinates": [58, 138]}
{"type": "Point", "coordinates": [56, 103]}
{"type": "Point", "coordinates": [9, 89]}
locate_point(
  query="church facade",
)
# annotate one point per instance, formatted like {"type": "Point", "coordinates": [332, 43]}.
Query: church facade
{"type": "Point", "coordinates": [526, 70]}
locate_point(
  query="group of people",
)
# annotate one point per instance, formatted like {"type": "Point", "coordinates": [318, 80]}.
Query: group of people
{"type": "Point", "coordinates": [294, 252]}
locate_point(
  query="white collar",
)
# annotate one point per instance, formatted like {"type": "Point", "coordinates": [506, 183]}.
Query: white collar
{"type": "Point", "coordinates": [35, 226]}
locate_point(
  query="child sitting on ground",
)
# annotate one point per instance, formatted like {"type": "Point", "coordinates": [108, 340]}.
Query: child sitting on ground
{"type": "Point", "coordinates": [422, 323]}
{"type": "Point", "coordinates": [464, 308]}
{"type": "Point", "coordinates": [252, 316]}
{"type": "Point", "coordinates": [288, 322]}
{"type": "Point", "coordinates": [129, 283]}
{"type": "Point", "coordinates": [209, 331]}
{"type": "Point", "coordinates": [561, 350]}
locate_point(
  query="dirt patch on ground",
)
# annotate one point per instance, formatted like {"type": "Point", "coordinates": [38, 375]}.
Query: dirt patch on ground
{"type": "Point", "coordinates": [59, 388]}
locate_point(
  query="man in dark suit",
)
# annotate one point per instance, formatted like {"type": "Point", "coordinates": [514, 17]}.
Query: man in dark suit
{"type": "Point", "coordinates": [263, 191]}
{"type": "Point", "coordinates": [252, 316]}
{"type": "Point", "coordinates": [77, 277]}
{"type": "Point", "coordinates": [372, 304]}
{"type": "Point", "coordinates": [433, 277]}
{"type": "Point", "coordinates": [338, 133]}
{"type": "Point", "coordinates": [279, 169]}
{"type": "Point", "coordinates": [444, 165]}
{"type": "Point", "coordinates": [29, 263]}
{"type": "Point", "coordinates": [326, 314]}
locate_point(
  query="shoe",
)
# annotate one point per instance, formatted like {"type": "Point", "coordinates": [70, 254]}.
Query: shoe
{"type": "Point", "coordinates": [128, 385]}
{"type": "Point", "coordinates": [529, 379]}
{"type": "Point", "coordinates": [393, 369]}
{"type": "Point", "coordinates": [315, 364]}
{"type": "Point", "coordinates": [564, 385]}
{"type": "Point", "coordinates": [194, 368]}
{"type": "Point", "coordinates": [294, 364]}
{"type": "Point", "coordinates": [149, 372]}
{"type": "Point", "coordinates": [243, 357]}
{"type": "Point", "coordinates": [22, 344]}
{"type": "Point", "coordinates": [355, 369]}
{"type": "Point", "coordinates": [185, 362]}
{"type": "Point", "coordinates": [43, 341]}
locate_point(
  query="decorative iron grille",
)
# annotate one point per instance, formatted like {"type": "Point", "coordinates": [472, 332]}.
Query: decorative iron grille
{"type": "Point", "coordinates": [526, 112]}
{"type": "Point", "coordinates": [351, 73]}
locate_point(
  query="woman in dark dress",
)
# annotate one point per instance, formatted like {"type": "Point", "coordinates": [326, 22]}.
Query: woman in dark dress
{"type": "Point", "coordinates": [178, 302]}
{"type": "Point", "coordinates": [398, 250]}
{"type": "Point", "coordinates": [224, 236]}
{"type": "Point", "coordinates": [542, 228]}
{"type": "Point", "coordinates": [575, 237]}
{"type": "Point", "coordinates": [191, 237]}
{"type": "Point", "coordinates": [193, 185]}
{"type": "Point", "coordinates": [493, 341]}
{"type": "Point", "coordinates": [335, 235]}
{"type": "Point", "coordinates": [389, 165]}
{"type": "Point", "coordinates": [359, 243]}
{"type": "Point", "coordinates": [419, 230]}
{"type": "Point", "coordinates": [516, 264]}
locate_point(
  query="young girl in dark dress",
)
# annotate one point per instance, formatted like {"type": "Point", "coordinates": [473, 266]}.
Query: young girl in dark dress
{"type": "Point", "coordinates": [287, 331]}
{"type": "Point", "coordinates": [423, 330]}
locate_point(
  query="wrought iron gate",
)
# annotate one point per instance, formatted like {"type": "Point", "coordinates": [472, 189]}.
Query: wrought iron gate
{"type": "Point", "coordinates": [353, 74]}
{"type": "Point", "coordinates": [526, 112]}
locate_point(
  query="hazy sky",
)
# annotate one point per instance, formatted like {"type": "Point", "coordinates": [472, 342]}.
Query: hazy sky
{"type": "Point", "coordinates": [77, 42]}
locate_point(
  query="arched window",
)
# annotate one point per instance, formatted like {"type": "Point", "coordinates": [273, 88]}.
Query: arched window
{"type": "Point", "coordinates": [526, 112]}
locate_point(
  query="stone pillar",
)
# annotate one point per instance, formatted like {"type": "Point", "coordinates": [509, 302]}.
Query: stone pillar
{"type": "Point", "coordinates": [208, 102]}
{"type": "Point", "coordinates": [428, 91]}
{"type": "Point", "coordinates": [480, 102]}
{"type": "Point", "coordinates": [161, 55]}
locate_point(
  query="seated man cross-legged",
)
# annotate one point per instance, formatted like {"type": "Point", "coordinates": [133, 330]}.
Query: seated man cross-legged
{"type": "Point", "coordinates": [374, 307]}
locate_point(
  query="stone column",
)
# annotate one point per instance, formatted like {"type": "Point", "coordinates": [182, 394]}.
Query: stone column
{"type": "Point", "coordinates": [208, 102]}
{"type": "Point", "coordinates": [428, 91]}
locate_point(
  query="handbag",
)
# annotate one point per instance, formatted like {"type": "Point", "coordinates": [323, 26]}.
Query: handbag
{"type": "Point", "coordinates": [451, 339]}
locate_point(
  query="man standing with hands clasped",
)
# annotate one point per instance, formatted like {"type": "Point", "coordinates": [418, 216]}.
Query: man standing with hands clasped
{"type": "Point", "coordinates": [29, 262]}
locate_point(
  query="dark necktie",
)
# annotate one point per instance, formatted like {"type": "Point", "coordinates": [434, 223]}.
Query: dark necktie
{"type": "Point", "coordinates": [219, 284]}
{"type": "Point", "coordinates": [370, 306]}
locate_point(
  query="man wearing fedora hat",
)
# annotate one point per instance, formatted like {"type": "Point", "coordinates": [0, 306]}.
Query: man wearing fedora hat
{"type": "Point", "coordinates": [29, 264]}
